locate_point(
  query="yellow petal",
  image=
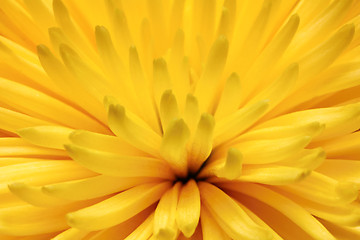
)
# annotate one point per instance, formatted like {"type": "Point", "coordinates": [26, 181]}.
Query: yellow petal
{"type": "Point", "coordinates": [223, 208]}
{"type": "Point", "coordinates": [188, 208]}
{"type": "Point", "coordinates": [161, 79]}
{"type": "Point", "coordinates": [119, 165]}
{"type": "Point", "coordinates": [350, 170]}
{"type": "Point", "coordinates": [103, 142]}
{"type": "Point", "coordinates": [43, 172]}
{"type": "Point", "coordinates": [201, 145]}
{"type": "Point", "coordinates": [177, 69]}
{"type": "Point", "coordinates": [274, 150]}
{"type": "Point", "coordinates": [173, 146]}
{"type": "Point", "coordinates": [234, 124]}
{"type": "Point", "coordinates": [122, 35]}
{"type": "Point", "coordinates": [70, 28]}
{"type": "Point", "coordinates": [168, 109]}
{"type": "Point", "coordinates": [224, 27]}
{"type": "Point", "coordinates": [343, 147]}
{"type": "Point", "coordinates": [157, 19]}
{"type": "Point", "coordinates": [338, 120]}
{"type": "Point", "coordinates": [260, 222]}
{"type": "Point", "coordinates": [7, 161]}
{"type": "Point", "coordinates": [257, 76]}
{"type": "Point", "coordinates": [125, 127]}
{"type": "Point", "coordinates": [207, 84]}
{"type": "Point", "coordinates": [320, 25]}
{"type": "Point", "coordinates": [308, 158]}
{"type": "Point", "coordinates": [38, 104]}
{"type": "Point", "coordinates": [144, 231]}
{"type": "Point", "coordinates": [17, 147]}
{"type": "Point", "coordinates": [280, 175]}
{"type": "Point", "coordinates": [230, 97]}
{"type": "Point", "coordinates": [165, 215]}
{"type": "Point", "coordinates": [307, 129]}
{"type": "Point", "coordinates": [142, 89]}
{"type": "Point", "coordinates": [47, 136]}
{"type": "Point", "coordinates": [62, 77]}
{"type": "Point", "coordinates": [12, 120]}
{"type": "Point", "coordinates": [321, 57]}
{"type": "Point", "coordinates": [191, 112]}
{"type": "Point", "coordinates": [347, 233]}
{"type": "Point", "coordinates": [28, 220]}
{"type": "Point", "coordinates": [344, 215]}
{"type": "Point", "coordinates": [210, 229]}
{"type": "Point", "coordinates": [40, 13]}
{"type": "Point", "coordinates": [118, 208]}
{"type": "Point", "coordinates": [93, 187]}
{"type": "Point", "coordinates": [230, 169]}
{"type": "Point", "coordinates": [125, 228]}
{"type": "Point", "coordinates": [294, 212]}
{"type": "Point", "coordinates": [34, 195]}
{"type": "Point", "coordinates": [323, 189]}
{"type": "Point", "coordinates": [90, 79]}
{"type": "Point", "coordinates": [279, 89]}
{"type": "Point", "coordinates": [71, 234]}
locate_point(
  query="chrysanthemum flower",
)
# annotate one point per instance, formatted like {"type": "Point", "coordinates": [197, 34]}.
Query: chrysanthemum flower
{"type": "Point", "coordinates": [179, 119]}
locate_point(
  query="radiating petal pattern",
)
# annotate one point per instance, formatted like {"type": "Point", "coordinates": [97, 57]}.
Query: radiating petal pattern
{"type": "Point", "coordinates": [179, 119]}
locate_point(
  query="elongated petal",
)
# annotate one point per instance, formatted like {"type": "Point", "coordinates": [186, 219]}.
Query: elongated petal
{"type": "Point", "coordinates": [118, 208]}
{"type": "Point", "coordinates": [71, 234]}
{"type": "Point", "coordinates": [173, 146]}
{"type": "Point", "coordinates": [201, 145]}
{"type": "Point", "coordinates": [47, 136]}
{"type": "Point", "coordinates": [206, 87]}
{"type": "Point", "coordinates": [12, 120]}
{"type": "Point", "coordinates": [188, 208]}
{"type": "Point", "coordinates": [321, 57]}
{"type": "Point", "coordinates": [222, 208]}
{"type": "Point", "coordinates": [93, 187]}
{"type": "Point", "coordinates": [144, 231]}
{"type": "Point", "coordinates": [103, 142]}
{"type": "Point", "coordinates": [27, 220]}
{"type": "Point", "coordinates": [130, 131]}
{"type": "Point", "coordinates": [267, 151]}
{"type": "Point", "coordinates": [278, 90]}
{"type": "Point", "coordinates": [230, 97]}
{"type": "Point", "coordinates": [350, 170]}
{"type": "Point", "coordinates": [345, 215]}
{"type": "Point", "coordinates": [229, 168]}
{"type": "Point", "coordinates": [161, 79]}
{"type": "Point", "coordinates": [142, 89]}
{"type": "Point", "coordinates": [118, 165]}
{"type": "Point", "coordinates": [165, 214]}
{"type": "Point", "coordinates": [168, 109]}
{"type": "Point", "coordinates": [34, 195]}
{"type": "Point", "coordinates": [42, 172]}
{"type": "Point", "coordinates": [273, 175]}
{"type": "Point", "coordinates": [210, 229]}
{"type": "Point", "coordinates": [338, 120]}
{"type": "Point", "coordinates": [38, 104]}
{"type": "Point", "coordinates": [346, 147]}
{"type": "Point", "coordinates": [323, 189]}
{"type": "Point", "coordinates": [239, 121]}
{"type": "Point", "coordinates": [259, 221]}
{"type": "Point", "coordinates": [307, 129]}
{"type": "Point", "coordinates": [290, 209]}
{"type": "Point", "coordinates": [191, 112]}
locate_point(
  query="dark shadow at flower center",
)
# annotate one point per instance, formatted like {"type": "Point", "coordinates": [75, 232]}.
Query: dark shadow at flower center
{"type": "Point", "coordinates": [192, 175]}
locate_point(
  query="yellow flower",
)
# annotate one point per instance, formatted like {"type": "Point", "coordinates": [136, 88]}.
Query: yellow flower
{"type": "Point", "coordinates": [179, 119]}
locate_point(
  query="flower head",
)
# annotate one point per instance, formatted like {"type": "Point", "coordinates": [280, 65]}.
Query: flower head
{"type": "Point", "coordinates": [179, 119]}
